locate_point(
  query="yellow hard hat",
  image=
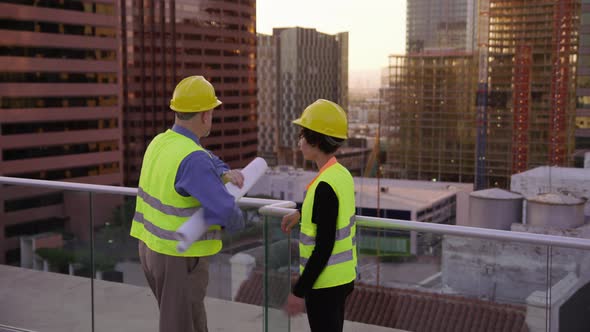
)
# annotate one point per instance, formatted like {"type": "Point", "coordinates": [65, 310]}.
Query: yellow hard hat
{"type": "Point", "coordinates": [324, 117]}
{"type": "Point", "coordinates": [194, 94]}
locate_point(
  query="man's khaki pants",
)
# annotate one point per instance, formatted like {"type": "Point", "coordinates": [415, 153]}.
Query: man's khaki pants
{"type": "Point", "coordinates": [179, 284]}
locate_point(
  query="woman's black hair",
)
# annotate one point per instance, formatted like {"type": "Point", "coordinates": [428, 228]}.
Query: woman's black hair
{"type": "Point", "coordinates": [326, 144]}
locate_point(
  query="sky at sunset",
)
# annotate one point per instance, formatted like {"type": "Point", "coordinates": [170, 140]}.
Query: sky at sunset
{"type": "Point", "coordinates": [376, 28]}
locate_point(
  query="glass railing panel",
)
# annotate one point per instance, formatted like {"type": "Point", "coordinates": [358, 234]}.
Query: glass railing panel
{"type": "Point", "coordinates": [230, 285]}
{"type": "Point", "coordinates": [45, 265]}
{"type": "Point", "coordinates": [233, 295]}
{"type": "Point", "coordinates": [378, 250]}
{"type": "Point", "coordinates": [279, 270]}
{"type": "Point", "coordinates": [570, 292]}
{"type": "Point", "coordinates": [480, 283]}
{"type": "Point", "coordinates": [70, 264]}
{"type": "Point", "coordinates": [122, 297]}
{"type": "Point", "coordinates": [242, 252]}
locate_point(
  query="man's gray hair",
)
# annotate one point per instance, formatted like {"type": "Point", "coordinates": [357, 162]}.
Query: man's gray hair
{"type": "Point", "coordinates": [185, 116]}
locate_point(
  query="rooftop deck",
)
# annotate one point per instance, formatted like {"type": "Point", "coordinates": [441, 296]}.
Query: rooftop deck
{"type": "Point", "coordinates": [52, 302]}
{"type": "Point", "coordinates": [544, 278]}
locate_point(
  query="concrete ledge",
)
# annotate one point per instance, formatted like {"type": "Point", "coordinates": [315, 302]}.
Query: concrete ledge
{"type": "Point", "coordinates": [52, 302]}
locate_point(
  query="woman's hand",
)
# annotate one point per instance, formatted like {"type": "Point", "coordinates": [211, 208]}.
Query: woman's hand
{"type": "Point", "coordinates": [289, 221]}
{"type": "Point", "coordinates": [294, 305]}
{"type": "Point", "coordinates": [234, 176]}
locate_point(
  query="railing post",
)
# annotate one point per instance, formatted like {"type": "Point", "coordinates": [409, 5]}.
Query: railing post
{"type": "Point", "coordinates": [92, 262]}
{"type": "Point", "coordinates": [265, 299]}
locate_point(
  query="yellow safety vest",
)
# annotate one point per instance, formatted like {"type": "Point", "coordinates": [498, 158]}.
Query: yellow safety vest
{"type": "Point", "coordinates": [160, 210]}
{"type": "Point", "coordinates": [342, 265]}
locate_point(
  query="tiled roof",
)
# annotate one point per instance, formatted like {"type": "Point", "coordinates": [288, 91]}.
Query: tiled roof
{"type": "Point", "coordinates": [409, 310]}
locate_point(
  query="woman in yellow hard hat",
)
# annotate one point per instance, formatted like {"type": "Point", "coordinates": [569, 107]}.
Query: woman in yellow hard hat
{"type": "Point", "coordinates": [327, 248]}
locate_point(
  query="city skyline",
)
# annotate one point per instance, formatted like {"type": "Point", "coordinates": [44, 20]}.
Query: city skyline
{"type": "Point", "coordinates": [369, 46]}
{"type": "Point", "coordinates": [475, 94]}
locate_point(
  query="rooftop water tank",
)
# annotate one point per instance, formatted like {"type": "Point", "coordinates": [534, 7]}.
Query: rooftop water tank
{"type": "Point", "coordinates": [495, 208]}
{"type": "Point", "coordinates": [555, 210]}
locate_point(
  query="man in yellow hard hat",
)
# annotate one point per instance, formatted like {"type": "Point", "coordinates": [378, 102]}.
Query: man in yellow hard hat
{"type": "Point", "coordinates": [178, 177]}
{"type": "Point", "coordinates": [327, 246]}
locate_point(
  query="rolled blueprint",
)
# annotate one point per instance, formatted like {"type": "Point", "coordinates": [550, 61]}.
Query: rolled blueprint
{"type": "Point", "coordinates": [252, 173]}
{"type": "Point", "coordinates": [191, 231]}
{"type": "Point", "coordinates": [195, 227]}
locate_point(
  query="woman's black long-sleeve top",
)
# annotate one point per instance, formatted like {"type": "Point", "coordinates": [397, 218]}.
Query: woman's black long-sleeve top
{"type": "Point", "coordinates": [325, 216]}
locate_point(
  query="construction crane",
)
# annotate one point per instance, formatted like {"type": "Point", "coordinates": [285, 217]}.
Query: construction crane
{"type": "Point", "coordinates": [563, 21]}
{"type": "Point", "coordinates": [372, 167]}
{"type": "Point", "coordinates": [522, 90]}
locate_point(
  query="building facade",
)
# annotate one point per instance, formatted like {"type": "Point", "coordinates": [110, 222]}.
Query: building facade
{"type": "Point", "coordinates": [309, 65]}
{"type": "Point", "coordinates": [430, 95]}
{"type": "Point", "coordinates": [528, 55]}
{"type": "Point", "coordinates": [60, 113]}
{"type": "Point", "coordinates": [266, 68]}
{"type": "Point", "coordinates": [167, 40]}
{"type": "Point", "coordinates": [583, 89]}
{"type": "Point", "coordinates": [531, 102]}
{"type": "Point", "coordinates": [433, 25]}
{"type": "Point", "coordinates": [431, 117]}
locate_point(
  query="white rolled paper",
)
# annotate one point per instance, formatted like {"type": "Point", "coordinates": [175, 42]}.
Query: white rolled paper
{"type": "Point", "coordinates": [252, 173]}
{"type": "Point", "coordinates": [192, 230]}
{"type": "Point", "coordinates": [195, 227]}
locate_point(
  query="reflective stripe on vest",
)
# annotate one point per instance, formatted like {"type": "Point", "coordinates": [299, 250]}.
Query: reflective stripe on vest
{"type": "Point", "coordinates": [166, 209]}
{"type": "Point", "coordinates": [341, 234]}
{"type": "Point", "coordinates": [170, 210]}
{"type": "Point", "coordinates": [160, 210]}
{"type": "Point", "coordinates": [211, 234]}
{"type": "Point", "coordinates": [341, 266]}
{"type": "Point", "coordinates": [334, 259]}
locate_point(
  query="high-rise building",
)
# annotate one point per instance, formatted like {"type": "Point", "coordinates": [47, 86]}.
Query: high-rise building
{"type": "Point", "coordinates": [167, 40]}
{"type": "Point", "coordinates": [430, 94]}
{"type": "Point", "coordinates": [60, 113]}
{"type": "Point", "coordinates": [531, 103]}
{"type": "Point", "coordinates": [434, 25]}
{"type": "Point", "coordinates": [266, 68]}
{"type": "Point", "coordinates": [582, 135]}
{"type": "Point", "coordinates": [431, 117]}
{"type": "Point", "coordinates": [309, 65]}
{"type": "Point", "coordinates": [527, 53]}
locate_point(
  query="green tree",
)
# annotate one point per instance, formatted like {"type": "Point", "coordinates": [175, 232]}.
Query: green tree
{"type": "Point", "coordinates": [58, 258]}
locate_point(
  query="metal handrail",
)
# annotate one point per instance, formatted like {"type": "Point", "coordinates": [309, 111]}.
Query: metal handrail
{"type": "Point", "coordinates": [476, 232]}
{"type": "Point", "coordinates": [93, 188]}
{"type": "Point", "coordinates": [9, 328]}
{"type": "Point", "coordinates": [245, 202]}
{"type": "Point", "coordinates": [463, 231]}
{"type": "Point", "coordinates": [279, 208]}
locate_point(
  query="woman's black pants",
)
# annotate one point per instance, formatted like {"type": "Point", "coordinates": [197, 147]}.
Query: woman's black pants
{"type": "Point", "coordinates": [325, 307]}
